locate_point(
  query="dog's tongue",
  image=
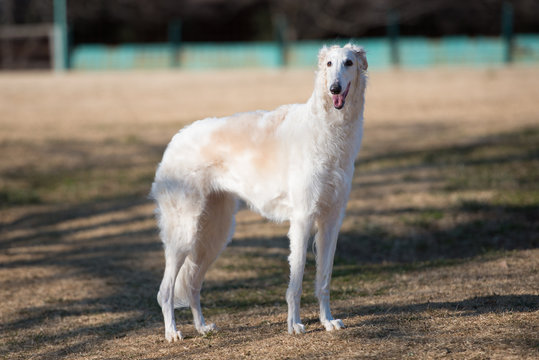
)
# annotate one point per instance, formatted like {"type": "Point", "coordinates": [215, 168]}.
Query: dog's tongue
{"type": "Point", "coordinates": [338, 101]}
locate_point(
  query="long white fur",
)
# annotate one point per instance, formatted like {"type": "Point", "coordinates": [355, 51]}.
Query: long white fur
{"type": "Point", "coordinates": [294, 163]}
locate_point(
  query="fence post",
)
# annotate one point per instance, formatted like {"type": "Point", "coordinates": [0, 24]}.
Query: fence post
{"type": "Point", "coordinates": [281, 39]}
{"type": "Point", "coordinates": [175, 39]}
{"type": "Point", "coordinates": [507, 31]}
{"type": "Point", "coordinates": [393, 34]}
{"type": "Point", "coordinates": [61, 51]}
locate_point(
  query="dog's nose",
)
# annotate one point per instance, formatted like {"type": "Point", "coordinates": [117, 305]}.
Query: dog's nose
{"type": "Point", "coordinates": [335, 88]}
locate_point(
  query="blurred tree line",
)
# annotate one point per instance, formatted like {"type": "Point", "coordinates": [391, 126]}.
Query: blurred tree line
{"type": "Point", "coordinates": [117, 21]}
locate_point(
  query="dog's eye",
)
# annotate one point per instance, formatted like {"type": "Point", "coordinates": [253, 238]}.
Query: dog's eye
{"type": "Point", "coordinates": [329, 63]}
{"type": "Point", "coordinates": [348, 63]}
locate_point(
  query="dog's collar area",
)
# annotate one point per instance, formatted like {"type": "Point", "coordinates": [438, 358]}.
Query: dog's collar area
{"type": "Point", "coordinates": [338, 99]}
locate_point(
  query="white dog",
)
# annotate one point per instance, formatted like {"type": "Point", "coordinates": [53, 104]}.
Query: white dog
{"type": "Point", "coordinates": [294, 163]}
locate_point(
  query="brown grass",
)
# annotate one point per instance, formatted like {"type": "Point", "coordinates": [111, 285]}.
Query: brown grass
{"type": "Point", "coordinates": [437, 257]}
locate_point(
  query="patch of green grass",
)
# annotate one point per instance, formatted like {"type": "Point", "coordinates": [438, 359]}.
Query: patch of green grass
{"type": "Point", "coordinates": [508, 162]}
{"type": "Point", "coordinates": [425, 219]}
{"type": "Point", "coordinates": [502, 170]}
{"type": "Point", "coordinates": [376, 279]}
{"type": "Point", "coordinates": [75, 185]}
{"type": "Point", "coordinates": [18, 196]}
{"type": "Point", "coordinates": [517, 197]}
{"type": "Point", "coordinates": [505, 162]}
{"type": "Point", "coordinates": [66, 171]}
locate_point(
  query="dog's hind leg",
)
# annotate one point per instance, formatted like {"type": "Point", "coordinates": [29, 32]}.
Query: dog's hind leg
{"type": "Point", "coordinates": [299, 233]}
{"type": "Point", "coordinates": [178, 216]}
{"type": "Point", "coordinates": [215, 231]}
{"type": "Point", "coordinates": [326, 242]}
{"type": "Point", "coordinates": [174, 260]}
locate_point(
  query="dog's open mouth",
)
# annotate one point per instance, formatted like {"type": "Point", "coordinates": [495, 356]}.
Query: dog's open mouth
{"type": "Point", "coordinates": [338, 99]}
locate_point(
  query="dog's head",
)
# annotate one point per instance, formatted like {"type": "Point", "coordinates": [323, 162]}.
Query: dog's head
{"type": "Point", "coordinates": [342, 67]}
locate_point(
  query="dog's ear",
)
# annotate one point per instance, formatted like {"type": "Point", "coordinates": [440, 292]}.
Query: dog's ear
{"type": "Point", "coordinates": [361, 55]}
{"type": "Point", "coordinates": [322, 55]}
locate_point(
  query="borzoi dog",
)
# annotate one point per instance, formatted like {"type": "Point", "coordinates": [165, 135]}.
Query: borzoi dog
{"type": "Point", "coordinates": [294, 163]}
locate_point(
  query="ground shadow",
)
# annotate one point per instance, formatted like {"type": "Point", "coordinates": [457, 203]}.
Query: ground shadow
{"type": "Point", "coordinates": [469, 307]}
{"type": "Point", "coordinates": [117, 260]}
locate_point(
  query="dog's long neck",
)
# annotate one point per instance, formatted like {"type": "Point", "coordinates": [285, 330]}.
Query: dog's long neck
{"type": "Point", "coordinates": [343, 127]}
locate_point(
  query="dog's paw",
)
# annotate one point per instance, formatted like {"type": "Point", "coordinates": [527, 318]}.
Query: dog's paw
{"type": "Point", "coordinates": [331, 325]}
{"type": "Point", "coordinates": [173, 336]}
{"type": "Point", "coordinates": [207, 329]}
{"type": "Point", "coordinates": [296, 328]}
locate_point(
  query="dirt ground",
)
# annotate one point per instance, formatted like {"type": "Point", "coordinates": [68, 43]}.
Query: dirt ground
{"type": "Point", "coordinates": [437, 258]}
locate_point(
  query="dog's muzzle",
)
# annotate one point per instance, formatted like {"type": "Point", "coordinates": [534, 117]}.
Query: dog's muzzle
{"type": "Point", "coordinates": [338, 96]}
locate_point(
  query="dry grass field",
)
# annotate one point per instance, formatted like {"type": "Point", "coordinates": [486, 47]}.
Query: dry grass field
{"type": "Point", "coordinates": [438, 256]}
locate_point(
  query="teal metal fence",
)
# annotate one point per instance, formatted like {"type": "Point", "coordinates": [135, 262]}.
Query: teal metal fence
{"type": "Point", "coordinates": [414, 52]}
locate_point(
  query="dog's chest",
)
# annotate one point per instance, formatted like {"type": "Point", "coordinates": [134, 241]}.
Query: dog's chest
{"type": "Point", "coordinates": [334, 169]}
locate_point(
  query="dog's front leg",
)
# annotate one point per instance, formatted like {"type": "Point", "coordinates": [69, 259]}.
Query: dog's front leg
{"type": "Point", "coordinates": [326, 241]}
{"type": "Point", "coordinates": [299, 237]}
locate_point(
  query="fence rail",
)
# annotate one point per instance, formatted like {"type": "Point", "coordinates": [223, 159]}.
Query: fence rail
{"type": "Point", "coordinates": [414, 52]}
